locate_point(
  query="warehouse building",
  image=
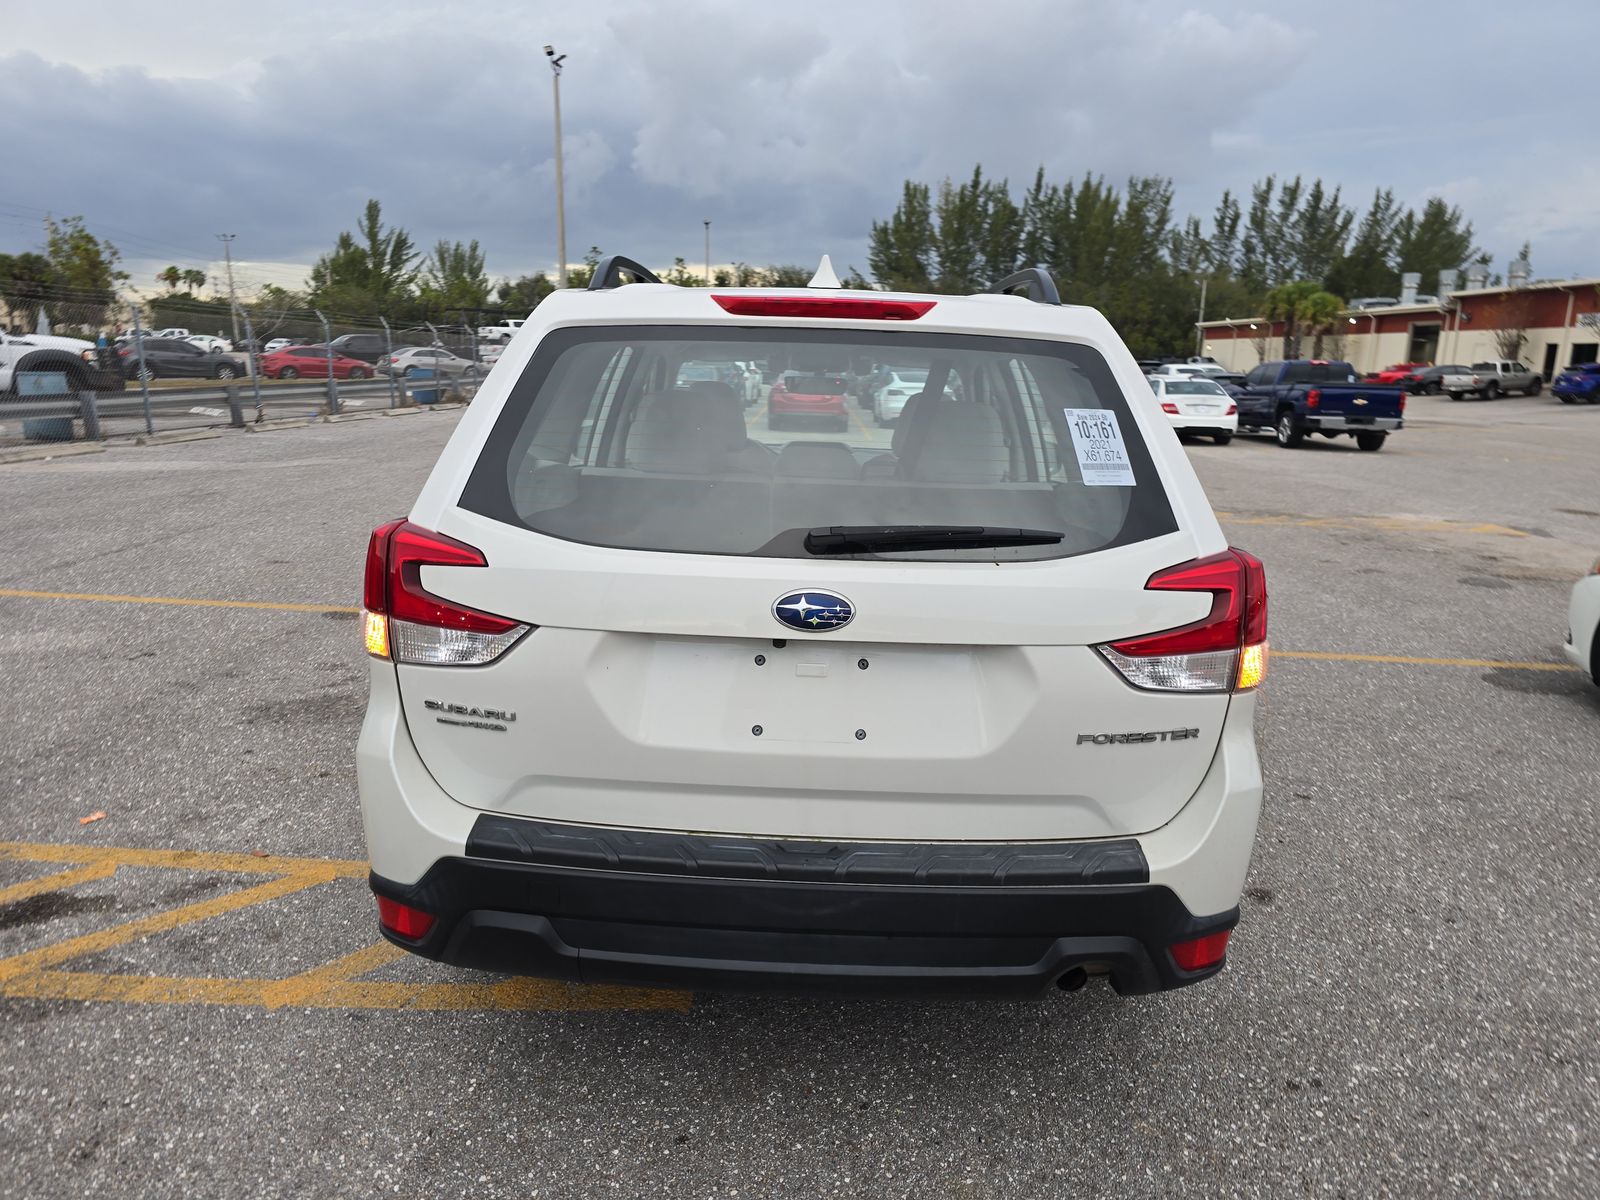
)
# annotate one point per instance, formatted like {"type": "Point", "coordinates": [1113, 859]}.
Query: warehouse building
{"type": "Point", "coordinates": [1559, 318]}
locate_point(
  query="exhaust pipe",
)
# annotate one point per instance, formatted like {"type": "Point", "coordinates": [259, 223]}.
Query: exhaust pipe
{"type": "Point", "coordinates": [1073, 980]}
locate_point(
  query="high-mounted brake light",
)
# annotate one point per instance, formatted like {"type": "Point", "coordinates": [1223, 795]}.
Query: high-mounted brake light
{"type": "Point", "coordinates": [404, 621]}
{"type": "Point", "coordinates": [1226, 650]}
{"type": "Point", "coordinates": [836, 308]}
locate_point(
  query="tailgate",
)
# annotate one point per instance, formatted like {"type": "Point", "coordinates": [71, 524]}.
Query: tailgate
{"type": "Point", "coordinates": [668, 697]}
{"type": "Point", "coordinates": [1358, 403]}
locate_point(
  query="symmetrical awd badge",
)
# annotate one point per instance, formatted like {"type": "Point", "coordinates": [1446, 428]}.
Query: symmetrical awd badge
{"type": "Point", "coordinates": [813, 611]}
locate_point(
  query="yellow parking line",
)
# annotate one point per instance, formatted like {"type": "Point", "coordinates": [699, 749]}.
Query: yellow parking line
{"type": "Point", "coordinates": [1386, 524]}
{"type": "Point", "coordinates": [512, 995]}
{"type": "Point", "coordinates": [57, 881]}
{"type": "Point", "coordinates": [297, 990]}
{"type": "Point", "coordinates": [185, 860]}
{"type": "Point", "coordinates": [1415, 661]}
{"type": "Point", "coordinates": [103, 939]}
{"type": "Point", "coordinates": [271, 605]}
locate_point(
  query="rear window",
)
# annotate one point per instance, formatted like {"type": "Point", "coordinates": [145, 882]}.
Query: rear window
{"type": "Point", "coordinates": [1194, 387]}
{"type": "Point", "coordinates": [600, 443]}
{"type": "Point", "coordinates": [814, 385]}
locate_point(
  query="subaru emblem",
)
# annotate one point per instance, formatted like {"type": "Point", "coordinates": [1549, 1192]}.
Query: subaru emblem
{"type": "Point", "coordinates": [813, 611]}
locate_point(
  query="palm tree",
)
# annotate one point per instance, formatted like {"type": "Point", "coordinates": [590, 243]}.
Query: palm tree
{"type": "Point", "coordinates": [195, 280]}
{"type": "Point", "coordinates": [1319, 313]}
{"type": "Point", "coordinates": [170, 276]}
{"type": "Point", "coordinates": [1302, 307]}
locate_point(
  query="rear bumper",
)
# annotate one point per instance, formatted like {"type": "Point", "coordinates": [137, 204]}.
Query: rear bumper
{"type": "Point", "coordinates": [1187, 422]}
{"type": "Point", "coordinates": [1331, 424]}
{"type": "Point", "coordinates": [594, 905]}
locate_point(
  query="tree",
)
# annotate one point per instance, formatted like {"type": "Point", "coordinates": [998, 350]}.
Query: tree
{"type": "Point", "coordinates": [454, 276]}
{"type": "Point", "coordinates": [1319, 314]}
{"type": "Point", "coordinates": [83, 269]}
{"type": "Point", "coordinates": [195, 280]}
{"type": "Point", "coordinates": [370, 273]}
{"type": "Point", "coordinates": [579, 277]}
{"type": "Point", "coordinates": [24, 286]}
{"type": "Point", "coordinates": [1438, 239]}
{"type": "Point", "coordinates": [901, 251]}
{"type": "Point", "coordinates": [1511, 318]}
{"type": "Point", "coordinates": [1366, 268]}
{"type": "Point", "coordinates": [525, 292]}
{"type": "Point", "coordinates": [171, 276]}
{"type": "Point", "coordinates": [1300, 306]}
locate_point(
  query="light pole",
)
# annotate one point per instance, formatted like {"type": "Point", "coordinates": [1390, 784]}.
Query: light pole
{"type": "Point", "coordinates": [1200, 324]}
{"type": "Point", "coordinates": [708, 253]}
{"type": "Point", "coordinates": [561, 192]}
{"type": "Point", "coordinates": [233, 305]}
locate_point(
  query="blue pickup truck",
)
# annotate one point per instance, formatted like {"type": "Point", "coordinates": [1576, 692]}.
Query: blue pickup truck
{"type": "Point", "coordinates": [1311, 395]}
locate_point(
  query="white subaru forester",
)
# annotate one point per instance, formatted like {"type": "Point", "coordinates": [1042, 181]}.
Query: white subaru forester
{"type": "Point", "coordinates": [661, 697]}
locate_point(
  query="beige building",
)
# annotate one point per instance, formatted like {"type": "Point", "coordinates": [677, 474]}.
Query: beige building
{"type": "Point", "coordinates": [1559, 320]}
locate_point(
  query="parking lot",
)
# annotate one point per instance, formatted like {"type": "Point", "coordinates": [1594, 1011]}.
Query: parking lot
{"type": "Point", "coordinates": [196, 1001]}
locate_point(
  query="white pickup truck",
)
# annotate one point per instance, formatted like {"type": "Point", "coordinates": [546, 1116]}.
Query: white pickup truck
{"type": "Point", "coordinates": [1493, 379]}
{"type": "Point", "coordinates": [501, 332]}
{"type": "Point", "coordinates": [72, 357]}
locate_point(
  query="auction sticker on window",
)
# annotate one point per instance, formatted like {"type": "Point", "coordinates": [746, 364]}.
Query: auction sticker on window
{"type": "Point", "coordinates": [1097, 441]}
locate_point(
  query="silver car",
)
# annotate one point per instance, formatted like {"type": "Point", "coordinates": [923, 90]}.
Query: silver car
{"type": "Point", "coordinates": [411, 359]}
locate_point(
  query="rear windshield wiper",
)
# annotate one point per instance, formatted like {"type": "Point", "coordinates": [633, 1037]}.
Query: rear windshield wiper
{"type": "Point", "coordinates": [869, 539]}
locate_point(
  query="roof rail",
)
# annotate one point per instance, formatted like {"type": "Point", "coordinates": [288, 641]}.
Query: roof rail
{"type": "Point", "coordinates": [609, 272]}
{"type": "Point", "coordinates": [1041, 288]}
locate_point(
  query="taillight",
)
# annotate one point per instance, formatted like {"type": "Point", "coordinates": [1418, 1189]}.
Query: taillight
{"type": "Point", "coordinates": [1168, 407]}
{"type": "Point", "coordinates": [1199, 953]}
{"type": "Point", "coordinates": [849, 308]}
{"type": "Point", "coordinates": [1313, 397]}
{"type": "Point", "coordinates": [1402, 402]}
{"type": "Point", "coordinates": [1233, 410]}
{"type": "Point", "coordinates": [406, 921]}
{"type": "Point", "coordinates": [1224, 651]}
{"type": "Point", "coordinates": [404, 621]}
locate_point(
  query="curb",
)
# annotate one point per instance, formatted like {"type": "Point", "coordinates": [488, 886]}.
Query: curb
{"type": "Point", "coordinates": [186, 435]}
{"type": "Point", "coordinates": [39, 453]}
{"type": "Point", "coordinates": [281, 423]}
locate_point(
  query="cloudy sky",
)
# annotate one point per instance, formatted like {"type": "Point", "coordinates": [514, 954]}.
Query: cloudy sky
{"type": "Point", "coordinates": [789, 128]}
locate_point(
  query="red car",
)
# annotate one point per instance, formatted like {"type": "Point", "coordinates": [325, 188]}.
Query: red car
{"type": "Point", "coordinates": [293, 362]}
{"type": "Point", "coordinates": [805, 397]}
{"type": "Point", "coordinates": [1403, 374]}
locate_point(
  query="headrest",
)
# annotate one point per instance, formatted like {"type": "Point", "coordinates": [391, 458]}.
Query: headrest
{"type": "Point", "coordinates": [685, 431]}
{"type": "Point", "coordinates": [902, 427]}
{"type": "Point", "coordinates": [960, 443]}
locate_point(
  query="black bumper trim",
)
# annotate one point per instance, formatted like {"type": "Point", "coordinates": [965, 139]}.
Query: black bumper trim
{"type": "Point", "coordinates": [944, 864]}
{"type": "Point", "coordinates": [632, 925]}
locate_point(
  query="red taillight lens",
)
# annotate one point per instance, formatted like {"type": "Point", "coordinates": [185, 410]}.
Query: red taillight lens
{"type": "Point", "coordinates": [421, 627]}
{"type": "Point", "coordinates": [1238, 585]}
{"type": "Point", "coordinates": [1225, 650]}
{"type": "Point", "coordinates": [1402, 402]}
{"type": "Point", "coordinates": [1313, 398]}
{"type": "Point", "coordinates": [1199, 953]}
{"type": "Point", "coordinates": [1169, 408]}
{"type": "Point", "coordinates": [406, 921]}
{"type": "Point", "coordinates": [1233, 410]}
{"type": "Point", "coordinates": [846, 308]}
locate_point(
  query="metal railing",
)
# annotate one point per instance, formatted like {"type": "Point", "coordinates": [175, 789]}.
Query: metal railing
{"type": "Point", "coordinates": [92, 416]}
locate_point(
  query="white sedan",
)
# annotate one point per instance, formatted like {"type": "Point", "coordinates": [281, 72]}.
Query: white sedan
{"type": "Point", "coordinates": [1583, 625]}
{"type": "Point", "coordinates": [1197, 406]}
{"type": "Point", "coordinates": [411, 359]}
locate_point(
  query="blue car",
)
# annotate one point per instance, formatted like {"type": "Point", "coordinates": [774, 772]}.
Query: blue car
{"type": "Point", "coordinates": [1581, 381]}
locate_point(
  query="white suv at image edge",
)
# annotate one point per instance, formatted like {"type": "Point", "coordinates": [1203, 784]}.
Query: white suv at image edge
{"type": "Point", "coordinates": [661, 697]}
{"type": "Point", "coordinates": [1583, 625]}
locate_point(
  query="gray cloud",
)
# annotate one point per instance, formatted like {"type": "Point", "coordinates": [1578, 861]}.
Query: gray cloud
{"type": "Point", "coordinates": [790, 129]}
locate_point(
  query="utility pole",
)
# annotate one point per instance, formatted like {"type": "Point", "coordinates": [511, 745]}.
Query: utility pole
{"type": "Point", "coordinates": [708, 253]}
{"type": "Point", "coordinates": [1199, 325]}
{"type": "Point", "coordinates": [561, 190]}
{"type": "Point", "coordinates": [233, 304]}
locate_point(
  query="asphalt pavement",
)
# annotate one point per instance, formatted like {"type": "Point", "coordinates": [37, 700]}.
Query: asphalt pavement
{"type": "Point", "coordinates": [199, 1007]}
